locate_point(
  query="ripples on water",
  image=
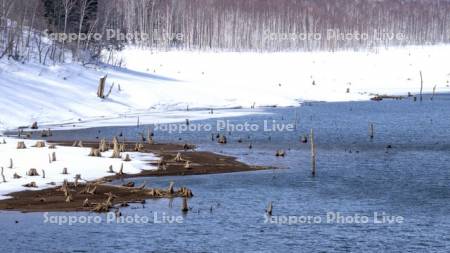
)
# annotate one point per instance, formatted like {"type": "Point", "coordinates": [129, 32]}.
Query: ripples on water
{"type": "Point", "coordinates": [356, 175]}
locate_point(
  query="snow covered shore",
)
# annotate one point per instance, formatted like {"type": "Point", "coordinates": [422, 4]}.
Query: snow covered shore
{"type": "Point", "coordinates": [76, 160]}
{"type": "Point", "coordinates": [158, 82]}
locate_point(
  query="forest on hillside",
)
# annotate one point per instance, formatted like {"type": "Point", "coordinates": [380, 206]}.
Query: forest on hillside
{"type": "Point", "coordinates": [234, 25]}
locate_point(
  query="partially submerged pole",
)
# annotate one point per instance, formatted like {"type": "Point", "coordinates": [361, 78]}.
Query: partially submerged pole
{"type": "Point", "coordinates": [371, 131]}
{"type": "Point", "coordinates": [434, 92]}
{"type": "Point", "coordinates": [185, 207]}
{"type": "Point", "coordinates": [313, 154]}
{"type": "Point", "coordinates": [170, 189]}
{"type": "Point", "coordinates": [269, 209]}
{"type": "Point", "coordinates": [421, 86]}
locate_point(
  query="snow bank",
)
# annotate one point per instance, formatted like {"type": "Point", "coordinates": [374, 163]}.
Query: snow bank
{"type": "Point", "coordinates": [76, 160]}
{"type": "Point", "coordinates": [283, 78]}
{"type": "Point", "coordinates": [160, 82]}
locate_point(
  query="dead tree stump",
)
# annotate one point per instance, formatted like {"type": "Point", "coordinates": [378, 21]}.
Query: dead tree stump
{"type": "Point", "coordinates": [371, 131]}
{"type": "Point", "coordinates": [30, 185]}
{"type": "Point", "coordinates": [102, 146]}
{"type": "Point", "coordinates": [120, 170]}
{"type": "Point", "coordinates": [101, 87]}
{"type": "Point", "coordinates": [185, 207]}
{"type": "Point", "coordinates": [222, 139]}
{"type": "Point", "coordinates": [116, 149]}
{"type": "Point", "coordinates": [280, 153]}
{"type": "Point", "coordinates": [178, 158]}
{"type": "Point", "coordinates": [127, 158]}
{"type": "Point", "coordinates": [3, 176]}
{"type": "Point", "coordinates": [32, 173]}
{"type": "Point", "coordinates": [269, 209]}
{"type": "Point", "coordinates": [313, 154]}
{"type": "Point", "coordinates": [170, 189]}
{"type": "Point", "coordinates": [21, 145]}
{"type": "Point", "coordinates": [95, 152]}
{"type": "Point", "coordinates": [110, 170]}
{"type": "Point", "coordinates": [421, 86]}
{"type": "Point", "coordinates": [39, 144]}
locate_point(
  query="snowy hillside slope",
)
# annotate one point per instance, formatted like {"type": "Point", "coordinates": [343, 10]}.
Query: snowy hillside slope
{"type": "Point", "coordinates": [157, 82]}
{"type": "Point", "coordinates": [67, 94]}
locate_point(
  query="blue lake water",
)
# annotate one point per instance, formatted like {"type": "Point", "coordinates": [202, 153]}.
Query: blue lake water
{"type": "Point", "coordinates": [356, 177]}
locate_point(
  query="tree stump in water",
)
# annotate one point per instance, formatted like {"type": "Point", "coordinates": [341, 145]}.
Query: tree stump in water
{"type": "Point", "coordinates": [222, 139]}
{"type": "Point", "coordinates": [280, 153]}
{"type": "Point", "coordinates": [304, 139]}
{"type": "Point", "coordinates": [269, 209]}
{"type": "Point", "coordinates": [185, 207]}
{"type": "Point", "coordinates": [170, 190]}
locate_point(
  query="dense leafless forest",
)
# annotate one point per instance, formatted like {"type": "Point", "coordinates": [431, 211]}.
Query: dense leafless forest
{"type": "Point", "coordinates": [257, 25]}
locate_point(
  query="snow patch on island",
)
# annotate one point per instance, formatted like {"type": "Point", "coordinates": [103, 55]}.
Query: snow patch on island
{"type": "Point", "coordinates": [75, 159]}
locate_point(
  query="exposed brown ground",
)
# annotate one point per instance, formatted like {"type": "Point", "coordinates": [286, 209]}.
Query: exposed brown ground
{"type": "Point", "coordinates": [55, 200]}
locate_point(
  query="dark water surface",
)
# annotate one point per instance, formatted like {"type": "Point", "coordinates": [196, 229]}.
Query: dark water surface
{"type": "Point", "coordinates": [356, 176]}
